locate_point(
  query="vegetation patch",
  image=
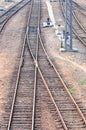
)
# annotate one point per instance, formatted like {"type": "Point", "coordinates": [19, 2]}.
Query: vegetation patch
{"type": "Point", "coordinates": [72, 90]}
{"type": "Point", "coordinates": [84, 81]}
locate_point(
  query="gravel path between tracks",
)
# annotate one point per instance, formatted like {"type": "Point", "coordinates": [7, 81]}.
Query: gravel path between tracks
{"type": "Point", "coordinates": [71, 65]}
{"type": "Point", "coordinates": [11, 40]}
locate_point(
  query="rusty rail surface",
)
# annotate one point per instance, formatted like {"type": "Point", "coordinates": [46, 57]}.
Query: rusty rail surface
{"type": "Point", "coordinates": [62, 97]}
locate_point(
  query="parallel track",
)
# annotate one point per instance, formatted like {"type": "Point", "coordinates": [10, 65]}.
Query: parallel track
{"type": "Point", "coordinates": [23, 99]}
{"type": "Point", "coordinates": [79, 24]}
{"type": "Point", "coordinates": [78, 28]}
{"type": "Point", "coordinates": [79, 13]}
{"type": "Point", "coordinates": [82, 9]}
{"type": "Point", "coordinates": [11, 12]}
{"type": "Point", "coordinates": [39, 83]}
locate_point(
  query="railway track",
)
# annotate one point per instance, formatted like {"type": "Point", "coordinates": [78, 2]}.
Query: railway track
{"type": "Point", "coordinates": [81, 8]}
{"type": "Point", "coordinates": [51, 80]}
{"type": "Point", "coordinates": [79, 24]}
{"type": "Point", "coordinates": [79, 13]}
{"type": "Point", "coordinates": [40, 88]}
{"type": "Point", "coordinates": [23, 104]}
{"type": "Point", "coordinates": [78, 28]}
{"type": "Point", "coordinates": [66, 105]}
{"type": "Point", "coordinates": [11, 12]}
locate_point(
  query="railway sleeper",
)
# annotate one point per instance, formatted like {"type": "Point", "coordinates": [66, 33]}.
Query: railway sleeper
{"type": "Point", "coordinates": [76, 126]}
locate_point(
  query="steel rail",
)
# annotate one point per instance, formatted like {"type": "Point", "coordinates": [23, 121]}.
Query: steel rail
{"type": "Point", "coordinates": [79, 7]}
{"type": "Point", "coordinates": [71, 97]}
{"type": "Point", "coordinates": [35, 76]}
{"type": "Point", "coordinates": [13, 11]}
{"type": "Point", "coordinates": [69, 94]}
{"type": "Point", "coordinates": [44, 82]}
{"type": "Point", "coordinates": [74, 30]}
{"type": "Point", "coordinates": [80, 39]}
{"type": "Point", "coordinates": [17, 81]}
{"type": "Point", "coordinates": [77, 20]}
{"type": "Point", "coordinates": [35, 79]}
{"type": "Point", "coordinates": [10, 9]}
{"type": "Point", "coordinates": [35, 63]}
{"type": "Point", "coordinates": [62, 81]}
{"type": "Point", "coordinates": [57, 109]}
{"type": "Point", "coordinates": [81, 26]}
{"type": "Point", "coordinates": [79, 111]}
{"type": "Point", "coordinates": [9, 17]}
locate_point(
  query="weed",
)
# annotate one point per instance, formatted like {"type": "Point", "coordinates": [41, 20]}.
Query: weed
{"type": "Point", "coordinates": [84, 81]}
{"type": "Point", "coordinates": [72, 90]}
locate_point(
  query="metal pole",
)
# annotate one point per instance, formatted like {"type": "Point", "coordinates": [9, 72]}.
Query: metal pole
{"type": "Point", "coordinates": [70, 24]}
{"type": "Point", "coordinates": [66, 15]}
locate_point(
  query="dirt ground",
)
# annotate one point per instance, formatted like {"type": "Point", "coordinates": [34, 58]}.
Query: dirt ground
{"type": "Point", "coordinates": [71, 65]}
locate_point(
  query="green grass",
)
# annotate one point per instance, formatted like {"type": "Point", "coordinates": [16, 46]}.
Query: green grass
{"type": "Point", "coordinates": [84, 81]}
{"type": "Point", "coordinates": [72, 90]}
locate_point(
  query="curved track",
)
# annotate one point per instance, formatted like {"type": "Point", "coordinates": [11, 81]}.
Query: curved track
{"type": "Point", "coordinates": [12, 11]}
{"type": "Point", "coordinates": [40, 87]}
{"type": "Point", "coordinates": [79, 14]}
{"type": "Point", "coordinates": [82, 9]}
{"type": "Point", "coordinates": [78, 28]}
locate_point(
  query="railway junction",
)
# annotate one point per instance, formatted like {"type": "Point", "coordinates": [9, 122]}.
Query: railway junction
{"type": "Point", "coordinates": [41, 87]}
